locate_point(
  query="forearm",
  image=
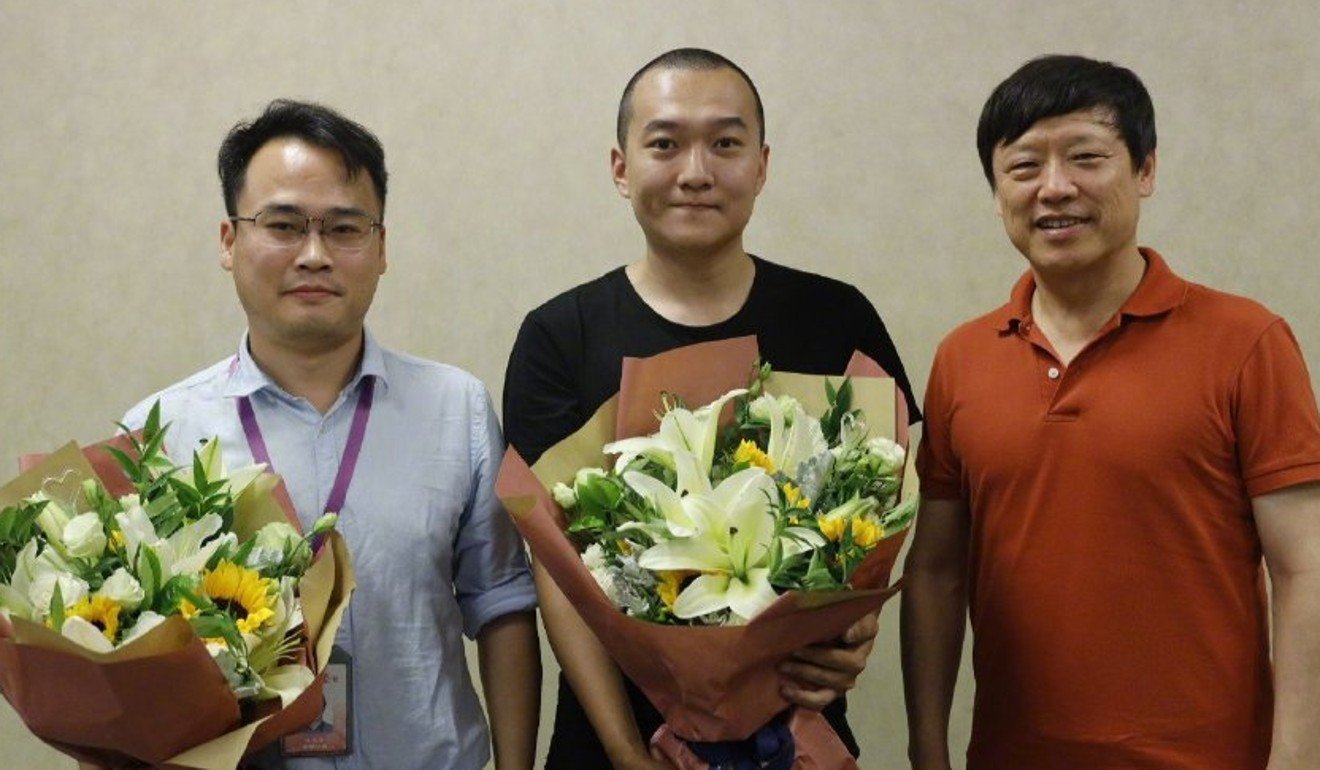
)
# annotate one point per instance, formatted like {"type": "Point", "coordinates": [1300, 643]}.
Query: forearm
{"type": "Point", "coordinates": [510, 664]}
{"type": "Point", "coordinates": [591, 672]}
{"type": "Point", "coordinates": [933, 622]}
{"type": "Point", "coordinates": [1296, 741]}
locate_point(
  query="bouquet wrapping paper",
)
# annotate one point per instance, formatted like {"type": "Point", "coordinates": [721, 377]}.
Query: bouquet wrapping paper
{"type": "Point", "coordinates": [161, 700]}
{"type": "Point", "coordinates": [710, 683]}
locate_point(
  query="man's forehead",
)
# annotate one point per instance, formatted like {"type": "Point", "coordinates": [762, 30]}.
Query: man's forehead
{"type": "Point", "coordinates": [1076, 124]}
{"type": "Point", "coordinates": [285, 161]}
{"type": "Point", "coordinates": [669, 97]}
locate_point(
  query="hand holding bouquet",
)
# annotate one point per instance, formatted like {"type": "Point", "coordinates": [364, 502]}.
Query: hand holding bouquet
{"type": "Point", "coordinates": [185, 598]}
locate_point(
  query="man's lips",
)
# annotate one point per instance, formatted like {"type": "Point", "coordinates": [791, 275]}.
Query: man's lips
{"type": "Point", "coordinates": [312, 292]}
{"type": "Point", "coordinates": [1059, 222]}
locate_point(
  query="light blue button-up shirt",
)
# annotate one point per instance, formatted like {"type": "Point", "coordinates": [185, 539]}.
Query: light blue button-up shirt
{"type": "Point", "coordinates": [434, 552]}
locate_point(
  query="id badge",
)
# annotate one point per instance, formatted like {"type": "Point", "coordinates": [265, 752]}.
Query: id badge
{"type": "Point", "coordinates": [332, 732]}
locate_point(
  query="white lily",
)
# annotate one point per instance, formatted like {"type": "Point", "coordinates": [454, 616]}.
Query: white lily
{"type": "Point", "coordinates": [180, 553]}
{"type": "Point", "coordinates": [213, 465]}
{"type": "Point", "coordinates": [793, 441]}
{"type": "Point", "coordinates": [731, 541]}
{"type": "Point", "coordinates": [36, 575]}
{"type": "Point", "coordinates": [681, 430]}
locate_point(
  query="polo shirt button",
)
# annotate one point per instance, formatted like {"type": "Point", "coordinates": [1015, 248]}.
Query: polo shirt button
{"type": "Point", "coordinates": [1053, 373]}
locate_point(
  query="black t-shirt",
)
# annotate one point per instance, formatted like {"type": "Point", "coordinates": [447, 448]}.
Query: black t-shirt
{"type": "Point", "coordinates": [567, 360]}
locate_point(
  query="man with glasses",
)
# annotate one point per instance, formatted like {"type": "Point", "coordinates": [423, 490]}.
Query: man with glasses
{"type": "Point", "coordinates": [404, 450]}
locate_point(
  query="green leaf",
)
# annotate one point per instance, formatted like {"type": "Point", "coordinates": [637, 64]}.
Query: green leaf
{"type": "Point", "coordinates": [57, 608]}
{"type": "Point", "coordinates": [150, 577]}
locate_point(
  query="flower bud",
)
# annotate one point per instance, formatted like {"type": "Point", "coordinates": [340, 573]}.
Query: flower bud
{"type": "Point", "coordinates": [564, 496]}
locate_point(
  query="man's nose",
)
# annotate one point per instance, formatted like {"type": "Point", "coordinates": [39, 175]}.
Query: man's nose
{"type": "Point", "coordinates": [696, 169]}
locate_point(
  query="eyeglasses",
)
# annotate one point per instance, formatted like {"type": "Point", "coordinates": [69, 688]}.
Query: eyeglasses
{"type": "Point", "coordinates": [287, 229]}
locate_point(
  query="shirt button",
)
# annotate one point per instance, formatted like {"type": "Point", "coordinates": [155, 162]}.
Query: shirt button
{"type": "Point", "coordinates": [1053, 373]}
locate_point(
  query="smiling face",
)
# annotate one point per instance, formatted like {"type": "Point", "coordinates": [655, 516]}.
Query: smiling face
{"type": "Point", "coordinates": [305, 297]}
{"type": "Point", "coordinates": [694, 163]}
{"type": "Point", "coordinates": [1068, 193]}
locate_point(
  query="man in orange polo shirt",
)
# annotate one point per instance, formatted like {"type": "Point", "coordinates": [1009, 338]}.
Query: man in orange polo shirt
{"type": "Point", "coordinates": [1106, 460]}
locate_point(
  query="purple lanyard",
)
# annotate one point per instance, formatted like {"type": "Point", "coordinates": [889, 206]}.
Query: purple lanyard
{"type": "Point", "coordinates": [352, 449]}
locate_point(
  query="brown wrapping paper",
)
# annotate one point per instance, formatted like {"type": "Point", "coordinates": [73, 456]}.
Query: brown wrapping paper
{"type": "Point", "coordinates": [160, 701]}
{"type": "Point", "coordinates": [710, 683]}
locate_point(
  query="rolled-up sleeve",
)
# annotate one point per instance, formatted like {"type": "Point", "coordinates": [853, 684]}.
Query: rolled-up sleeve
{"type": "Point", "coordinates": [491, 575]}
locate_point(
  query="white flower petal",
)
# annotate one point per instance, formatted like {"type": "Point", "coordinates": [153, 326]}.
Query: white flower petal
{"type": "Point", "coordinates": [145, 622]}
{"type": "Point", "coordinates": [694, 553]}
{"type": "Point", "coordinates": [747, 598]}
{"type": "Point", "coordinates": [84, 633]}
{"type": "Point", "coordinates": [706, 594]}
{"type": "Point", "coordinates": [665, 501]}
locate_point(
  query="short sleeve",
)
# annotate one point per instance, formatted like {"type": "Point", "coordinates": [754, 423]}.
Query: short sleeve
{"type": "Point", "coordinates": [491, 576]}
{"type": "Point", "coordinates": [542, 404]}
{"type": "Point", "coordinates": [1275, 419]}
{"type": "Point", "coordinates": [938, 466]}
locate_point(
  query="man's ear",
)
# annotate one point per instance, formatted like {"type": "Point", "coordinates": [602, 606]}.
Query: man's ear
{"type": "Point", "coordinates": [765, 168]}
{"type": "Point", "coordinates": [1146, 176]}
{"type": "Point", "coordinates": [228, 232]}
{"type": "Point", "coordinates": [619, 169]}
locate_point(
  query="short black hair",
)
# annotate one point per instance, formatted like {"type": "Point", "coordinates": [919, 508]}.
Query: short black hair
{"type": "Point", "coordinates": [683, 59]}
{"type": "Point", "coordinates": [313, 123]}
{"type": "Point", "coordinates": [1057, 85]}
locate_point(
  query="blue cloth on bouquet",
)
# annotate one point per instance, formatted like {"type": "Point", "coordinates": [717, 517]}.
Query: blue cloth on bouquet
{"type": "Point", "coordinates": [770, 748]}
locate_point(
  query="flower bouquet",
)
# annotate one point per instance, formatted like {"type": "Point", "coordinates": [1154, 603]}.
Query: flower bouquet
{"type": "Point", "coordinates": [704, 549]}
{"type": "Point", "coordinates": [156, 614]}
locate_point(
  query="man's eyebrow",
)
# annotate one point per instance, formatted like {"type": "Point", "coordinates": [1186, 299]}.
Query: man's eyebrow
{"type": "Point", "coordinates": [289, 208]}
{"type": "Point", "coordinates": [664, 124]}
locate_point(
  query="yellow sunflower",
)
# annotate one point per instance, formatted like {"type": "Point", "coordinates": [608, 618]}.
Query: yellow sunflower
{"type": "Point", "coordinates": [241, 592]}
{"type": "Point", "coordinates": [100, 612]}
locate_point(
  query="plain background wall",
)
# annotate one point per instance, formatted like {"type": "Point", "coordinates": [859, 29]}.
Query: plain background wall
{"type": "Point", "coordinates": [497, 119]}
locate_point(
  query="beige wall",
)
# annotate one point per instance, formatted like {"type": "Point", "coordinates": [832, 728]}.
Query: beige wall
{"type": "Point", "coordinates": [497, 119]}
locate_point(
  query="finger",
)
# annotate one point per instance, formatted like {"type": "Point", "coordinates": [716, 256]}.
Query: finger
{"type": "Point", "coordinates": [848, 659]}
{"type": "Point", "coordinates": [810, 675]}
{"type": "Point", "coordinates": [865, 629]}
{"type": "Point", "coordinates": [815, 698]}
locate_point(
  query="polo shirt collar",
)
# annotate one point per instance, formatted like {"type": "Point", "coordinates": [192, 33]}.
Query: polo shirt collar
{"type": "Point", "coordinates": [1159, 291]}
{"type": "Point", "coordinates": [246, 378]}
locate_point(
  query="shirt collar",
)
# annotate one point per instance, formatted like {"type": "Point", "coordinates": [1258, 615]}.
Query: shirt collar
{"type": "Point", "coordinates": [246, 378]}
{"type": "Point", "coordinates": [1159, 291]}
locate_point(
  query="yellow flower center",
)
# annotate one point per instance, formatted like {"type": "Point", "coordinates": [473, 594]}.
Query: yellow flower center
{"type": "Point", "coordinates": [100, 612]}
{"type": "Point", "coordinates": [241, 592]}
{"type": "Point", "coordinates": [671, 580]}
{"type": "Point", "coordinates": [748, 452]}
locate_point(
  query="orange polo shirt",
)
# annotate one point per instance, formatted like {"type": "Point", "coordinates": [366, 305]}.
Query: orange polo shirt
{"type": "Point", "coordinates": [1117, 596]}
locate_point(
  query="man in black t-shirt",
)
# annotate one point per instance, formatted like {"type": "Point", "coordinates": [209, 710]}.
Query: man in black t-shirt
{"type": "Point", "coordinates": [691, 158]}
